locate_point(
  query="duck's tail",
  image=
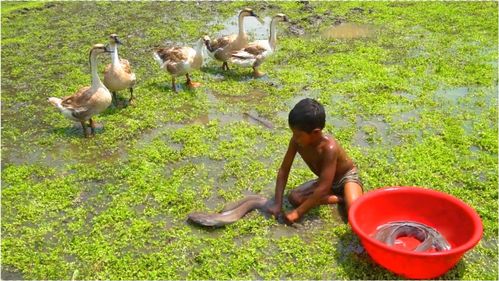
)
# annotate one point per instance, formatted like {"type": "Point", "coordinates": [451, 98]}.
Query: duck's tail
{"type": "Point", "coordinates": [157, 58]}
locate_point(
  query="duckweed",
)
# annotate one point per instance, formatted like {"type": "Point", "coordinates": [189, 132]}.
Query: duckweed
{"type": "Point", "coordinates": [414, 103]}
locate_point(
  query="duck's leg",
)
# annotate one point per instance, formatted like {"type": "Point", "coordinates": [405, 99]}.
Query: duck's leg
{"type": "Point", "coordinates": [115, 99]}
{"type": "Point", "coordinates": [84, 126]}
{"type": "Point", "coordinates": [174, 88]}
{"type": "Point", "coordinates": [130, 101]}
{"type": "Point", "coordinates": [257, 73]}
{"type": "Point", "coordinates": [225, 66]}
{"type": "Point", "coordinates": [191, 84]}
{"type": "Point", "coordinates": [92, 126]}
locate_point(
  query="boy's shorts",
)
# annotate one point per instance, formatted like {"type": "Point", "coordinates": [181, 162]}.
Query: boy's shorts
{"type": "Point", "coordinates": [338, 188]}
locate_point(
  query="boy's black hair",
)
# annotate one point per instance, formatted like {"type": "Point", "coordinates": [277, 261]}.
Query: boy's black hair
{"type": "Point", "coordinates": [307, 115]}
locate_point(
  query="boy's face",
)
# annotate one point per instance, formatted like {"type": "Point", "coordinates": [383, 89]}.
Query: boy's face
{"type": "Point", "coordinates": [303, 138]}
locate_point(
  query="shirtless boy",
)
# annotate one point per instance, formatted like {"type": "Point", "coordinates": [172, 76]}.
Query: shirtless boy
{"type": "Point", "coordinates": [337, 180]}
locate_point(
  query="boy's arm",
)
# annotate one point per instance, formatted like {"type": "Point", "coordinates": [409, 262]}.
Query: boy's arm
{"type": "Point", "coordinates": [323, 188]}
{"type": "Point", "coordinates": [282, 177]}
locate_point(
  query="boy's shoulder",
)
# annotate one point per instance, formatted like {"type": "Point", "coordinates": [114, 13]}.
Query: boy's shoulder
{"type": "Point", "coordinates": [330, 144]}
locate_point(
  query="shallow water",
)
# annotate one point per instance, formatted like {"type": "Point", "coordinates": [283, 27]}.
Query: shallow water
{"type": "Point", "coordinates": [8, 274]}
{"type": "Point", "coordinates": [253, 27]}
{"type": "Point", "coordinates": [407, 116]}
{"type": "Point", "coordinates": [221, 107]}
{"type": "Point", "coordinates": [453, 94]}
{"type": "Point", "coordinates": [348, 31]}
{"type": "Point", "coordinates": [337, 122]}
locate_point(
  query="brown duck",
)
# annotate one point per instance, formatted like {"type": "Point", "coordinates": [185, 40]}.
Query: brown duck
{"type": "Point", "coordinates": [87, 101]}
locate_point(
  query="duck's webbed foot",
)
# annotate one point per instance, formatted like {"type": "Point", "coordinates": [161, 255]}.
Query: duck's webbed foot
{"type": "Point", "coordinates": [257, 73]}
{"type": "Point", "coordinates": [191, 84]}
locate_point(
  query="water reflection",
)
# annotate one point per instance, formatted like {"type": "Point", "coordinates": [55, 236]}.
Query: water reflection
{"type": "Point", "coordinates": [348, 31]}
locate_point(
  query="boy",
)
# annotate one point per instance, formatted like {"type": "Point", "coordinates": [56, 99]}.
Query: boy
{"type": "Point", "coordinates": [337, 180]}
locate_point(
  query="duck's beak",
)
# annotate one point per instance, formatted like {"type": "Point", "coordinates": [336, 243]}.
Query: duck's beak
{"type": "Point", "coordinates": [286, 19]}
{"type": "Point", "coordinates": [118, 41]}
{"type": "Point", "coordinates": [257, 17]}
{"type": "Point", "coordinates": [107, 49]}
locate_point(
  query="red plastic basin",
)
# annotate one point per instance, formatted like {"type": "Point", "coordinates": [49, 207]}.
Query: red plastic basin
{"type": "Point", "coordinates": [455, 220]}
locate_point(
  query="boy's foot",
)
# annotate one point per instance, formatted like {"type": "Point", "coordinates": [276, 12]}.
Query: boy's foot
{"type": "Point", "coordinates": [333, 199]}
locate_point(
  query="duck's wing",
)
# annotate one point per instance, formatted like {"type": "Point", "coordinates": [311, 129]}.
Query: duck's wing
{"type": "Point", "coordinates": [221, 42]}
{"type": "Point", "coordinates": [251, 51]}
{"type": "Point", "coordinates": [175, 58]}
{"type": "Point", "coordinates": [126, 66]}
{"type": "Point", "coordinates": [173, 54]}
{"type": "Point", "coordinates": [78, 102]}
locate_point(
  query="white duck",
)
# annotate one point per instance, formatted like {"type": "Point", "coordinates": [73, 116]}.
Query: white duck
{"type": "Point", "coordinates": [87, 101]}
{"type": "Point", "coordinates": [256, 52]}
{"type": "Point", "coordinates": [180, 60]}
{"type": "Point", "coordinates": [118, 74]}
{"type": "Point", "coordinates": [221, 48]}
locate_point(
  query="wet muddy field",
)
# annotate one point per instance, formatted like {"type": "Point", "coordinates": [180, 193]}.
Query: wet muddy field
{"type": "Point", "coordinates": [410, 91]}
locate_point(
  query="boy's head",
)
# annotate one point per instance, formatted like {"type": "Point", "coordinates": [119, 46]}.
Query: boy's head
{"type": "Point", "coordinates": [307, 115]}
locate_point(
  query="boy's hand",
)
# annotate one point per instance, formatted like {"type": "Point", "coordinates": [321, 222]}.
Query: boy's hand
{"type": "Point", "coordinates": [275, 210]}
{"type": "Point", "coordinates": [292, 217]}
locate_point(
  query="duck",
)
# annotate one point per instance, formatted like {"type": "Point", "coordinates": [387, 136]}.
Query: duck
{"type": "Point", "coordinates": [87, 101]}
{"type": "Point", "coordinates": [180, 60]}
{"type": "Point", "coordinates": [118, 74]}
{"type": "Point", "coordinates": [255, 53]}
{"type": "Point", "coordinates": [221, 48]}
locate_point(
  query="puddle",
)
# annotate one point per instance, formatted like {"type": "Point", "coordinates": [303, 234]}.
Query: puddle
{"type": "Point", "coordinates": [252, 27]}
{"type": "Point", "coordinates": [452, 94]}
{"type": "Point", "coordinates": [161, 132]}
{"type": "Point", "coordinates": [305, 228]}
{"type": "Point", "coordinates": [468, 127]}
{"type": "Point", "coordinates": [255, 96]}
{"type": "Point", "coordinates": [290, 103]}
{"type": "Point", "coordinates": [474, 148]}
{"type": "Point", "coordinates": [406, 95]}
{"type": "Point", "coordinates": [226, 118]}
{"type": "Point", "coordinates": [215, 203]}
{"type": "Point", "coordinates": [361, 138]}
{"type": "Point", "coordinates": [248, 101]}
{"type": "Point", "coordinates": [222, 118]}
{"type": "Point", "coordinates": [8, 274]}
{"type": "Point", "coordinates": [407, 116]}
{"type": "Point", "coordinates": [337, 122]}
{"type": "Point", "coordinates": [348, 31]}
{"type": "Point", "coordinates": [59, 154]}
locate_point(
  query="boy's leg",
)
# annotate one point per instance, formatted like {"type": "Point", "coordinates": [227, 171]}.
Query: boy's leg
{"type": "Point", "coordinates": [352, 191]}
{"type": "Point", "coordinates": [302, 192]}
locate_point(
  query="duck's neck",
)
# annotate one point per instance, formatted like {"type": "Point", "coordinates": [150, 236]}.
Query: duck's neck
{"type": "Point", "coordinates": [198, 58]}
{"type": "Point", "coordinates": [273, 35]}
{"type": "Point", "coordinates": [241, 26]}
{"type": "Point", "coordinates": [96, 83]}
{"type": "Point", "coordinates": [115, 59]}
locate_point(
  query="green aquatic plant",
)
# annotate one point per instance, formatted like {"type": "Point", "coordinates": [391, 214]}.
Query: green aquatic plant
{"type": "Point", "coordinates": [413, 103]}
